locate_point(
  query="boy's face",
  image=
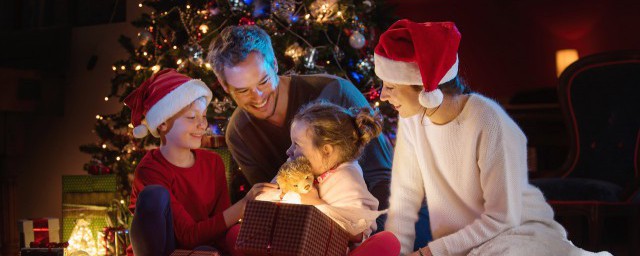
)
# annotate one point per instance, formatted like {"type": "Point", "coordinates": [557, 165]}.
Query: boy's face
{"type": "Point", "coordinates": [188, 127]}
{"type": "Point", "coordinates": [302, 145]}
{"type": "Point", "coordinates": [252, 84]}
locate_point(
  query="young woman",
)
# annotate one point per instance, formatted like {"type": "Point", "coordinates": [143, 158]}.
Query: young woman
{"type": "Point", "coordinates": [460, 152]}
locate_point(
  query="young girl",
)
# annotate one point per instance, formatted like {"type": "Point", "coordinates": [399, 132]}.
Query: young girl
{"type": "Point", "coordinates": [332, 139]}
{"type": "Point", "coordinates": [459, 150]}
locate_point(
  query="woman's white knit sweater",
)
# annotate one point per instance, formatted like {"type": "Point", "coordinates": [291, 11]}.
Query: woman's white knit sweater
{"type": "Point", "coordinates": [473, 172]}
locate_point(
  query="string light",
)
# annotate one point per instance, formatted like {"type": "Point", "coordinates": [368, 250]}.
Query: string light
{"type": "Point", "coordinates": [118, 158]}
{"type": "Point", "coordinates": [140, 5]}
{"type": "Point", "coordinates": [138, 67]}
{"type": "Point", "coordinates": [207, 65]}
{"type": "Point", "coordinates": [188, 6]}
{"type": "Point", "coordinates": [98, 117]}
{"type": "Point", "coordinates": [377, 103]}
{"type": "Point", "coordinates": [204, 28]}
{"type": "Point", "coordinates": [175, 47]}
{"type": "Point", "coordinates": [307, 16]}
{"type": "Point", "coordinates": [114, 68]}
{"type": "Point", "coordinates": [123, 67]}
{"type": "Point", "coordinates": [104, 145]}
{"type": "Point", "coordinates": [179, 61]}
{"type": "Point", "coordinates": [131, 126]}
{"type": "Point", "coordinates": [144, 53]}
{"type": "Point", "coordinates": [155, 68]}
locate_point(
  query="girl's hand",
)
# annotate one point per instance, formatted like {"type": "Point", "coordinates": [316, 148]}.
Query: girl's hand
{"type": "Point", "coordinates": [312, 197]}
{"type": "Point", "coordinates": [258, 189]}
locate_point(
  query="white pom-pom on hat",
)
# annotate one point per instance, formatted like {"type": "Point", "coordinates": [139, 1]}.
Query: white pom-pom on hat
{"type": "Point", "coordinates": [431, 99]}
{"type": "Point", "coordinates": [140, 131]}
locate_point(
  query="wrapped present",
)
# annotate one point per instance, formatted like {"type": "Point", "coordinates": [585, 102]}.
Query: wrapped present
{"type": "Point", "coordinates": [40, 231]}
{"type": "Point", "coordinates": [42, 252]}
{"type": "Point", "coordinates": [289, 229]}
{"type": "Point", "coordinates": [180, 252]}
{"type": "Point", "coordinates": [89, 183]}
{"type": "Point", "coordinates": [113, 241]}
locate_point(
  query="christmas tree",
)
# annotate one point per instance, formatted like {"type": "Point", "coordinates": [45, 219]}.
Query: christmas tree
{"type": "Point", "coordinates": [308, 36]}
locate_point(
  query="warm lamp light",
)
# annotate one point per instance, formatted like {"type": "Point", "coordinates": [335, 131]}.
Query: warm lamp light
{"type": "Point", "coordinates": [564, 58]}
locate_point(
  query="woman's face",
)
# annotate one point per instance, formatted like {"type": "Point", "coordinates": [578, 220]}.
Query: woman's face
{"type": "Point", "coordinates": [404, 98]}
{"type": "Point", "coordinates": [302, 145]}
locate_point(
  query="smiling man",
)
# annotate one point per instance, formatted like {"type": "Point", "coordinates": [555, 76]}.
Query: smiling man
{"type": "Point", "coordinates": [258, 131]}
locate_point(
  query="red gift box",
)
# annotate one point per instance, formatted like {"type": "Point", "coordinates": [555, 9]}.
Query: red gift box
{"type": "Point", "coordinates": [194, 253]}
{"type": "Point", "coordinates": [39, 231]}
{"type": "Point", "coordinates": [270, 228]}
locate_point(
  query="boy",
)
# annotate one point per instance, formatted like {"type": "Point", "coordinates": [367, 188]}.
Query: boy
{"type": "Point", "coordinates": [179, 193]}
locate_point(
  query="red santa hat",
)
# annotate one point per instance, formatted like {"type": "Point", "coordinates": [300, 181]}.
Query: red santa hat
{"type": "Point", "coordinates": [425, 54]}
{"type": "Point", "coordinates": [160, 97]}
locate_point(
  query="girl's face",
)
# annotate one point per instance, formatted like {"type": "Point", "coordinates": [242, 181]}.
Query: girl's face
{"type": "Point", "coordinates": [188, 127]}
{"type": "Point", "coordinates": [302, 145]}
{"type": "Point", "coordinates": [404, 98]}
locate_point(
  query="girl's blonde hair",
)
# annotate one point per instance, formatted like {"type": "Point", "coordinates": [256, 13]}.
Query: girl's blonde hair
{"type": "Point", "coordinates": [347, 129]}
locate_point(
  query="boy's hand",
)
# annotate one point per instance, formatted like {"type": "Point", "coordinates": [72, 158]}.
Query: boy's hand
{"type": "Point", "coordinates": [260, 188]}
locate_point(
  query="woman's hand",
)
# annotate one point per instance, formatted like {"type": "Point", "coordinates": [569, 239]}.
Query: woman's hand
{"type": "Point", "coordinates": [312, 197]}
{"type": "Point", "coordinates": [424, 251]}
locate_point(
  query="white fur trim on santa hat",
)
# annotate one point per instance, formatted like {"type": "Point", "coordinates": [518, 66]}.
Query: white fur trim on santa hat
{"type": "Point", "coordinates": [406, 73]}
{"type": "Point", "coordinates": [175, 101]}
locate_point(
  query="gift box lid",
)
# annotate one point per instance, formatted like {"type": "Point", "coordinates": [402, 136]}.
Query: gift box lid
{"type": "Point", "coordinates": [89, 183]}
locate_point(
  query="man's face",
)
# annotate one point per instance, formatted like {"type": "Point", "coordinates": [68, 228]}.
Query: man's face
{"type": "Point", "coordinates": [252, 84]}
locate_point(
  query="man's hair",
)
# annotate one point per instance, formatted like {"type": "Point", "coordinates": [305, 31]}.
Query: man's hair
{"type": "Point", "coordinates": [234, 44]}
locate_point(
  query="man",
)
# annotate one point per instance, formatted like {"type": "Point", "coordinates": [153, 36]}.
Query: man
{"type": "Point", "coordinates": [258, 131]}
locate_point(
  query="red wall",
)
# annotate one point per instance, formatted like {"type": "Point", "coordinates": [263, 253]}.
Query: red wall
{"type": "Point", "coordinates": [509, 46]}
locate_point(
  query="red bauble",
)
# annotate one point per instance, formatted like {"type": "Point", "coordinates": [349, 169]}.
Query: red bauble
{"type": "Point", "coordinates": [246, 21]}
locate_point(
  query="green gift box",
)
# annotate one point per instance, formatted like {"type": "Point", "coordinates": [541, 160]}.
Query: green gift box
{"type": "Point", "coordinates": [89, 183]}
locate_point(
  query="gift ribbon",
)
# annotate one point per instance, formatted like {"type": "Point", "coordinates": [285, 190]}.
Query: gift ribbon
{"type": "Point", "coordinates": [273, 228]}
{"type": "Point", "coordinates": [41, 230]}
{"type": "Point", "coordinates": [326, 248]}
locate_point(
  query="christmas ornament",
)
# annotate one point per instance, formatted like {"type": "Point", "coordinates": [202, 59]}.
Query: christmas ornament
{"type": "Point", "coordinates": [196, 54]}
{"type": "Point", "coordinates": [96, 167]}
{"type": "Point", "coordinates": [213, 9]}
{"type": "Point", "coordinates": [356, 40]}
{"type": "Point", "coordinates": [283, 9]}
{"type": "Point", "coordinates": [222, 106]}
{"type": "Point", "coordinates": [338, 53]}
{"type": "Point", "coordinates": [82, 239]}
{"type": "Point", "coordinates": [310, 58]}
{"type": "Point", "coordinates": [236, 5]}
{"type": "Point", "coordinates": [365, 65]}
{"type": "Point", "coordinates": [373, 93]}
{"type": "Point", "coordinates": [324, 10]}
{"type": "Point", "coordinates": [144, 37]}
{"type": "Point", "coordinates": [246, 21]}
{"type": "Point", "coordinates": [268, 25]}
{"type": "Point", "coordinates": [294, 51]}
{"type": "Point", "coordinates": [368, 5]}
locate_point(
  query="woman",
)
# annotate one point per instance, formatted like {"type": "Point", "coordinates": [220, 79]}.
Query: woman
{"type": "Point", "coordinates": [460, 152]}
